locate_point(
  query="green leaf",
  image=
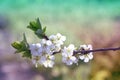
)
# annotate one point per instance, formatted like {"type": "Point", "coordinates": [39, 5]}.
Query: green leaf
{"type": "Point", "coordinates": [25, 41]}
{"type": "Point", "coordinates": [39, 32]}
{"type": "Point", "coordinates": [37, 28]}
{"type": "Point", "coordinates": [32, 26]}
{"type": "Point", "coordinates": [35, 25]}
{"type": "Point", "coordinates": [22, 47]}
{"type": "Point", "coordinates": [16, 45]}
{"type": "Point", "coordinates": [44, 29]}
{"type": "Point", "coordinates": [38, 23]}
{"type": "Point", "coordinates": [26, 54]}
{"type": "Point", "coordinates": [18, 51]}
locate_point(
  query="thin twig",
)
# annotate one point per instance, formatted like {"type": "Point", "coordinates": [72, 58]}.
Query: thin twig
{"type": "Point", "coordinates": [88, 51]}
{"type": "Point", "coordinates": [56, 52]}
{"type": "Point", "coordinates": [96, 50]}
{"type": "Point", "coordinates": [45, 37]}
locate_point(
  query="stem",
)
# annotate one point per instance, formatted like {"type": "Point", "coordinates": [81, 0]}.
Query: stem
{"type": "Point", "coordinates": [88, 51]}
{"type": "Point", "coordinates": [56, 52]}
{"type": "Point", "coordinates": [96, 50]}
{"type": "Point", "coordinates": [45, 37]}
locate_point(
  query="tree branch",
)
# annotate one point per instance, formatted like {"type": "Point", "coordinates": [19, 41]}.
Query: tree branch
{"type": "Point", "coordinates": [88, 51]}
{"type": "Point", "coordinates": [96, 50]}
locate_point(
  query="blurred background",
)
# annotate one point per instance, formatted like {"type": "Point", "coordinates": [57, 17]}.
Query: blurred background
{"type": "Point", "coordinates": [95, 22]}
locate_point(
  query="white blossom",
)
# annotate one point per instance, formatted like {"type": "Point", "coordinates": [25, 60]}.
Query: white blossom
{"type": "Point", "coordinates": [35, 60]}
{"type": "Point", "coordinates": [46, 46]}
{"type": "Point", "coordinates": [67, 55]}
{"type": "Point", "coordinates": [45, 43]}
{"type": "Point", "coordinates": [47, 60]}
{"type": "Point", "coordinates": [55, 48]}
{"type": "Point", "coordinates": [59, 36]}
{"type": "Point", "coordinates": [42, 53]}
{"type": "Point", "coordinates": [35, 49]}
{"type": "Point", "coordinates": [57, 39]}
{"type": "Point", "coordinates": [88, 56]}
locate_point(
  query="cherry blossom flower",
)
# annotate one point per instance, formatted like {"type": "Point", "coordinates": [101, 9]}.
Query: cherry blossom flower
{"type": "Point", "coordinates": [46, 46]}
{"type": "Point", "coordinates": [57, 41]}
{"type": "Point", "coordinates": [88, 56]}
{"type": "Point", "coordinates": [47, 60]}
{"type": "Point", "coordinates": [35, 49]}
{"type": "Point", "coordinates": [35, 60]}
{"type": "Point", "coordinates": [67, 55]}
{"type": "Point", "coordinates": [60, 38]}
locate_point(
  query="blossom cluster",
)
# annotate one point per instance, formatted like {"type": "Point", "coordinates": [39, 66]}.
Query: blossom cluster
{"type": "Point", "coordinates": [42, 52]}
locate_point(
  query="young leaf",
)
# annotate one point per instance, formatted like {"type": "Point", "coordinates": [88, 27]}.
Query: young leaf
{"type": "Point", "coordinates": [16, 45]}
{"type": "Point", "coordinates": [35, 25]}
{"type": "Point", "coordinates": [25, 41]}
{"type": "Point", "coordinates": [44, 29]}
{"type": "Point", "coordinates": [37, 28]}
{"type": "Point", "coordinates": [22, 47]}
{"type": "Point", "coordinates": [32, 26]}
{"type": "Point", "coordinates": [39, 32]}
{"type": "Point", "coordinates": [26, 54]}
{"type": "Point", "coordinates": [38, 23]}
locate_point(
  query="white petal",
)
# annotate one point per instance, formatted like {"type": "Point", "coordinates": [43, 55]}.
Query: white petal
{"type": "Point", "coordinates": [70, 54]}
{"type": "Point", "coordinates": [32, 46]}
{"type": "Point", "coordinates": [38, 45]}
{"type": "Point", "coordinates": [34, 53]}
{"type": "Point", "coordinates": [64, 54]}
{"type": "Point", "coordinates": [90, 47]}
{"type": "Point", "coordinates": [83, 46]}
{"type": "Point", "coordinates": [43, 41]}
{"type": "Point", "coordinates": [69, 62]}
{"type": "Point", "coordinates": [33, 61]}
{"type": "Point", "coordinates": [42, 59]}
{"type": "Point", "coordinates": [90, 56]}
{"type": "Point", "coordinates": [63, 38]}
{"type": "Point", "coordinates": [59, 42]}
{"type": "Point", "coordinates": [51, 37]}
{"type": "Point", "coordinates": [86, 60]}
{"type": "Point", "coordinates": [40, 50]}
{"type": "Point", "coordinates": [74, 59]}
{"type": "Point", "coordinates": [48, 51]}
{"type": "Point", "coordinates": [57, 45]}
{"type": "Point", "coordinates": [68, 51]}
{"type": "Point", "coordinates": [58, 35]}
{"type": "Point", "coordinates": [48, 42]}
{"type": "Point", "coordinates": [71, 46]}
{"type": "Point", "coordinates": [51, 63]}
{"type": "Point", "coordinates": [82, 57]}
{"type": "Point", "coordinates": [57, 48]}
{"type": "Point", "coordinates": [45, 64]}
{"type": "Point", "coordinates": [52, 57]}
{"type": "Point", "coordinates": [48, 63]}
{"type": "Point", "coordinates": [64, 59]}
